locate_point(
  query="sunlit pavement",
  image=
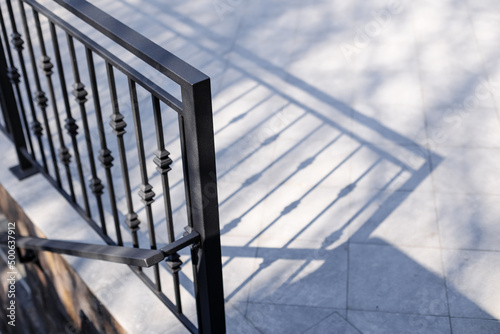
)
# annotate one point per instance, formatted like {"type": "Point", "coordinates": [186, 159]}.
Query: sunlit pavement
{"type": "Point", "coordinates": [358, 155]}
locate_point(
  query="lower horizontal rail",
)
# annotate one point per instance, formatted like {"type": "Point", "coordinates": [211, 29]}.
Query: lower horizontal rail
{"type": "Point", "coordinates": [118, 254]}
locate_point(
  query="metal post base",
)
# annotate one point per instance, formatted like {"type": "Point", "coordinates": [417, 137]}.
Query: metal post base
{"type": "Point", "coordinates": [21, 174]}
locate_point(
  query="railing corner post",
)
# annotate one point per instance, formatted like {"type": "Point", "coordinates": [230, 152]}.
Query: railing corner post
{"type": "Point", "coordinates": [25, 168]}
{"type": "Point", "coordinates": [203, 205]}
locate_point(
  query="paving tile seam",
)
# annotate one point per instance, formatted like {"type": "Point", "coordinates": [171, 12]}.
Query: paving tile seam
{"type": "Point", "coordinates": [441, 256]}
{"type": "Point", "coordinates": [482, 319]}
{"type": "Point", "coordinates": [421, 314]}
{"type": "Point", "coordinates": [335, 309]}
{"type": "Point", "coordinates": [320, 321]}
{"type": "Point", "coordinates": [245, 317]}
{"type": "Point", "coordinates": [482, 55]}
{"type": "Point", "coordinates": [462, 146]}
{"type": "Point", "coordinates": [464, 192]}
{"type": "Point", "coordinates": [393, 312]}
{"type": "Point", "coordinates": [442, 192]}
{"type": "Point", "coordinates": [391, 244]}
{"type": "Point", "coordinates": [425, 247]}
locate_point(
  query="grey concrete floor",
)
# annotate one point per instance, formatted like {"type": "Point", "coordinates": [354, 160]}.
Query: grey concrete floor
{"type": "Point", "coordinates": [358, 154]}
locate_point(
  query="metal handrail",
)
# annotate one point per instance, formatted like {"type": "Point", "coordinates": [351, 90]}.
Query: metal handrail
{"type": "Point", "coordinates": [118, 254]}
{"type": "Point", "coordinates": [29, 124]}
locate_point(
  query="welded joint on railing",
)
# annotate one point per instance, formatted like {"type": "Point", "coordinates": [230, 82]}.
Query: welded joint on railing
{"type": "Point", "coordinates": [173, 258]}
{"type": "Point", "coordinates": [188, 239]}
{"type": "Point", "coordinates": [194, 247]}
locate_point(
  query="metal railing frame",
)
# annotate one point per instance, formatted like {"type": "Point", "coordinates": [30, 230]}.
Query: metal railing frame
{"type": "Point", "coordinates": [196, 136]}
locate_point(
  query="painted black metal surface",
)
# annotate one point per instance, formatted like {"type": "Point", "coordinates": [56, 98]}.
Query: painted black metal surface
{"type": "Point", "coordinates": [118, 254]}
{"type": "Point", "coordinates": [195, 126]}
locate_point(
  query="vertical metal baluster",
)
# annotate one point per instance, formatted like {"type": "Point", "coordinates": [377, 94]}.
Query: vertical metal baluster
{"type": "Point", "coordinates": [105, 156]}
{"type": "Point", "coordinates": [182, 138]}
{"type": "Point", "coordinates": [71, 125]}
{"type": "Point", "coordinates": [46, 66]}
{"type": "Point", "coordinates": [80, 94]}
{"type": "Point", "coordinates": [13, 122]}
{"type": "Point", "coordinates": [14, 79]}
{"type": "Point", "coordinates": [36, 126]}
{"type": "Point", "coordinates": [163, 161]}
{"type": "Point", "coordinates": [146, 190]}
{"type": "Point", "coordinates": [118, 125]}
{"type": "Point", "coordinates": [189, 228]}
{"type": "Point", "coordinates": [40, 97]}
{"type": "Point", "coordinates": [7, 126]}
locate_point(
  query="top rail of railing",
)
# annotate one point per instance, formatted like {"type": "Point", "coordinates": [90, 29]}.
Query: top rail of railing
{"type": "Point", "coordinates": [133, 73]}
{"type": "Point", "coordinates": [165, 62]}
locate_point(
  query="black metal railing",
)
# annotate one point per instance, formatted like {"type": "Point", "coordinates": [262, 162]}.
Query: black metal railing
{"type": "Point", "coordinates": [34, 121]}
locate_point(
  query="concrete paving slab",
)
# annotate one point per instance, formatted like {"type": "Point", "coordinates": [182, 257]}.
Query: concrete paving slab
{"type": "Point", "coordinates": [357, 151]}
{"type": "Point", "coordinates": [333, 324]}
{"type": "Point", "coordinates": [385, 278]}
{"type": "Point", "coordinates": [476, 228]}
{"type": "Point", "coordinates": [462, 326]}
{"type": "Point", "coordinates": [382, 322]}
{"type": "Point", "coordinates": [472, 278]}
{"type": "Point", "coordinates": [275, 318]}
